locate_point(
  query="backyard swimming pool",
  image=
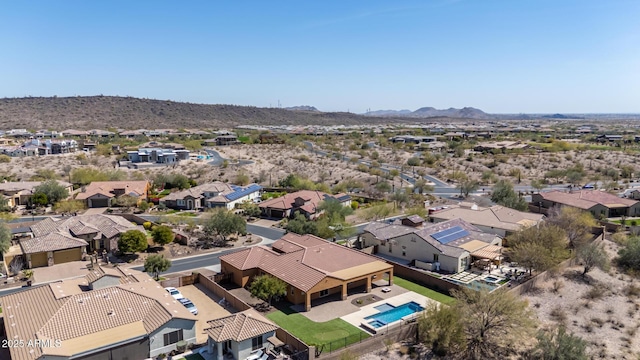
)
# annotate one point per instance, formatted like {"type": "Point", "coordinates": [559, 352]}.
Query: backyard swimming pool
{"type": "Point", "coordinates": [392, 313]}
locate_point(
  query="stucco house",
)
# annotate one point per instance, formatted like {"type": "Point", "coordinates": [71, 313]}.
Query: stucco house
{"type": "Point", "coordinates": [239, 334]}
{"type": "Point", "coordinates": [312, 267]}
{"type": "Point", "coordinates": [304, 201]}
{"type": "Point", "coordinates": [19, 193]}
{"type": "Point", "coordinates": [104, 193]}
{"type": "Point", "coordinates": [450, 246]}
{"type": "Point", "coordinates": [498, 220]}
{"type": "Point", "coordinates": [598, 203]}
{"type": "Point", "coordinates": [211, 195]}
{"type": "Point", "coordinates": [136, 319]}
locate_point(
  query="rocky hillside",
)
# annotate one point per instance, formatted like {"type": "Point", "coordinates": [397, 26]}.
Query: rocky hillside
{"type": "Point", "coordinates": [133, 113]}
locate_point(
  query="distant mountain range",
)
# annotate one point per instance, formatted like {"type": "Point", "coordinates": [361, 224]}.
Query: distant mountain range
{"type": "Point", "coordinates": [427, 112]}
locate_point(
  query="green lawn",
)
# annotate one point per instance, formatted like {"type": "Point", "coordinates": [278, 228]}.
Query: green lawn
{"type": "Point", "coordinates": [431, 294]}
{"type": "Point", "coordinates": [314, 333]}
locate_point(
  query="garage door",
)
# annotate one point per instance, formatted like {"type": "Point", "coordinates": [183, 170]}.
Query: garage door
{"type": "Point", "coordinates": [96, 203]}
{"type": "Point", "coordinates": [64, 256]}
{"type": "Point", "coordinates": [39, 260]}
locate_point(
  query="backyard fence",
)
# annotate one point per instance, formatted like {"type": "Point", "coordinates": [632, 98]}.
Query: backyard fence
{"type": "Point", "coordinates": [422, 278]}
{"type": "Point", "coordinates": [183, 280]}
{"type": "Point", "coordinates": [221, 292]}
{"type": "Point", "coordinates": [366, 344]}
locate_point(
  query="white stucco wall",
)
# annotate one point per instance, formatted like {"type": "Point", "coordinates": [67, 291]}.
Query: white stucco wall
{"type": "Point", "coordinates": [243, 349]}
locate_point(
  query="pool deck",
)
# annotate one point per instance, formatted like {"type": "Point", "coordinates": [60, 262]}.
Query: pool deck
{"type": "Point", "coordinates": [357, 318]}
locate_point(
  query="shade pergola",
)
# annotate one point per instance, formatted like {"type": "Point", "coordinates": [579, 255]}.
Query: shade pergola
{"type": "Point", "coordinates": [491, 252]}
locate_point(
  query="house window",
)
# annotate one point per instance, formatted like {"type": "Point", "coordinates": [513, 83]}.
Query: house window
{"type": "Point", "coordinates": [256, 343]}
{"type": "Point", "coordinates": [180, 202]}
{"type": "Point", "coordinates": [102, 244]}
{"type": "Point", "coordinates": [435, 257]}
{"type": "Point", "coordinates": [324, 292]}
{"type": "Point", "coordinates": [172, 337]}
{"type": "Point", "coordinates": [293, 291]}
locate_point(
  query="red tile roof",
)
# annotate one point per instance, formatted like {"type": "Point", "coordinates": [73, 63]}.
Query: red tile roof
{"type": "Point", "coordinates": [287, 201]}
{"type": "Point", "coordinates": [305, 259]}
{"type": "Point", "coordinates": [586, 199]}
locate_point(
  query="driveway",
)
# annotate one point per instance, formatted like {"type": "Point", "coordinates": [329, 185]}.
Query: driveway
{"type": "Point", "coordinates": [57, 272]}
{"type": "Point", "coordinates": [94, 211]}
{"type": "Point", "coordinates": [208, 308]}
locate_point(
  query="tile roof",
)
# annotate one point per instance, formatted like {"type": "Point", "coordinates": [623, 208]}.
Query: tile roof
{"type": "Point", "coordinates": [126, 276]}
{"type": "Point", "coordinates": [38, 313]}
{"type": "Point", "coordinates": [301, 260]}
{"type": "Point", "coordinates": [239, 327]}
{"type": "Point", "coordinates": [586, 199]}
{"type": "Point", "coordinates": [287, 201]}
{"type": "Point", "coordinates": [198, 191]}
{"type": "Point", "coordinates": [107, 188]}
{"type": "Point", "coordinates": [495, 216]}
{"type": "Point", "coordinates": [106, 225]}
{"type": "Point", "coordinates": [50, 242]}
{"type": "Point", "coordinates": [25, 185]}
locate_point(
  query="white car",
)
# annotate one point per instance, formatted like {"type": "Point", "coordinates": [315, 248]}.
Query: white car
{"type": "Point", "coordinates": [189, 305]}
{"type": "Point", "coordinates": [175, 293]}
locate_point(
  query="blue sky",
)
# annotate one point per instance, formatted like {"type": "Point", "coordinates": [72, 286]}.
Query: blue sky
{"type": "Point", "coordinates": [500, 56]}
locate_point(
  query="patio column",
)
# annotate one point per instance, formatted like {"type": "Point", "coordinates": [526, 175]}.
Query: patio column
{"type": "Point", "coordinates": [220, 356]}
{"type": "Point", "coordinates": [307, 301]}
{"type": "Point", "coordinates": [390, 277]}
{"type": "Point", "coordinates": [344, 291]}
{"type": "Point", "coordinates": [369, 283]}
{"type": "Point", "coordinates": [49, 258]}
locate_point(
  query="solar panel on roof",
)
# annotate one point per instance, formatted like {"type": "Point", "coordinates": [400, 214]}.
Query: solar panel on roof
{"type": "Point", "coordinates": [449, 235]}
{"type": "Point", "coordinates": [243, 192]}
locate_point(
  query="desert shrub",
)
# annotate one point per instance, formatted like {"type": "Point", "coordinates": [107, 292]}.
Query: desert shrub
{"type": "Point", "coordinates": [557, 285]}
{"type": "Point", "coordinates": [632, 290]}
{"type": "Point", "coordinates": [594, 293]}
{"type": "Point", "coordinates": [5, 158]}
{"type": "Point", "coordinates": [558, 314]}
{"type": "Point", "coordinates": [147, 225]}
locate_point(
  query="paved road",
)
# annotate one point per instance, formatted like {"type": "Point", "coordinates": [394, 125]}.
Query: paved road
{"type": "Point", "coordinates": [268, 234]}
{"type": "Point", "coordinates": [217, 160]}
{"type": "Point", "coordinates": [193, 262]}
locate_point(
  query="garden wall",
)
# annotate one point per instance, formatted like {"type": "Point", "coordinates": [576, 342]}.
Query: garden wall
{"type": "Point", "coordinates": [422, 278]}
{"type": "Point", "coordinates": [221, 292]}
{"type": "Point", "coordinates": [376, 342]}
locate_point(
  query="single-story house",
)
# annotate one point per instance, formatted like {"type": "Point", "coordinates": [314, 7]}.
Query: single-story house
{"type": "Point", "coordinates": [19, 193]}
{"type": "Point", "coordinates": [136, 319]}
{"type": "Point", "coordinates": [598, 203]}
{"type": "Point", "coordinates": [312, 267]}
{"type": "Point", "coordinates": [450, 246]}
{"type": "Point", "coordinates": [211, 195]}
{"type": "Point", "coordinates": [303, 201]}
{"type": "Point", "coordinates": [52, 248]}
{"type": "Point", "coordinates": [103, 193]}
{"type": "Point", "coordinates": [100, 231]}
{"type": "Point", "coordinates": [498, 220]}
{"type": "Point", "coordinates": [240, 334]}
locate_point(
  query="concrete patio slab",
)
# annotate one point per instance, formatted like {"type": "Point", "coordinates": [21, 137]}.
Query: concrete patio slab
{"type": "Point", "coordinates": [357, 318]}
{"type": "Point", "coordinates": [330, 310]}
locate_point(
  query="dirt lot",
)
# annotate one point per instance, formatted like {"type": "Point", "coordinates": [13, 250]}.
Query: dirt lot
{"type": "Point", "coordinates": [600, 309]}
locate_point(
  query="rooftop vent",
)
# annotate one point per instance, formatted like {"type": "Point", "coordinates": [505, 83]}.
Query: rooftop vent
{"type": "Point", "coordinates": [111, 312]}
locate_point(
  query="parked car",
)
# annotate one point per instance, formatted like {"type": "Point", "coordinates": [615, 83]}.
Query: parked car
{"type": "Point", "coordinates": [174, 292]}
{"type": "Point", "coordinates": [189, 305]}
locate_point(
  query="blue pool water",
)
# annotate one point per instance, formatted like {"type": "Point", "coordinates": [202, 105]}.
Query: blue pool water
{"type": "Point", "coordinates": [384, 307]}
{"type": "Point", "coordinates": [385, 317]}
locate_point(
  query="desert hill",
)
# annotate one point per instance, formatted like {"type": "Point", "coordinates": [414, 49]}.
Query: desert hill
{"type": "Point", "coordinates": [88, 112]}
